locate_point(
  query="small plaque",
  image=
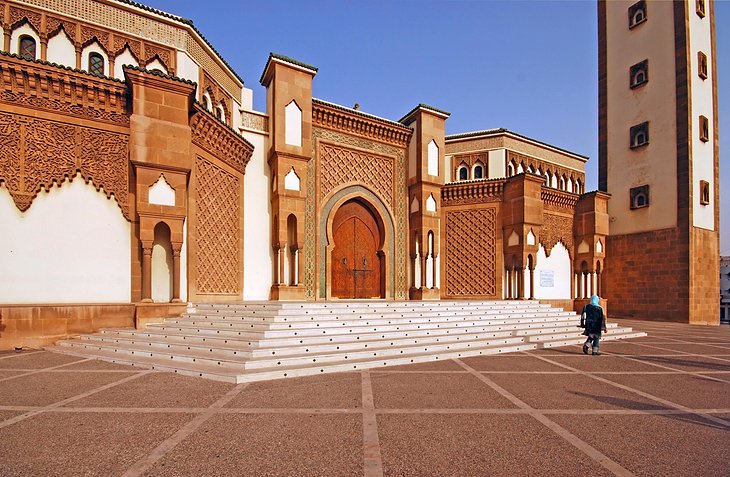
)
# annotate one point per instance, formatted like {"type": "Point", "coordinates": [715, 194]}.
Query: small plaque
{"type": "Point", "coordinates": [547, 278]}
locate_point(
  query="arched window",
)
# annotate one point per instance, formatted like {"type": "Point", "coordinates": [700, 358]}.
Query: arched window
{"type": "Point", "coordinates": [639, 197]}
{"type": "Point", "coordinates": [96, 64]}
{"type": "Point", "coordinates": [478, 172]}
{"type": "Point", "coordinates": [219, 113]}
{"type": "Point", "coordinates": [26, 48]}
{"type": "Point", "coordinates": [463, 173]}
{"type": "Point", "coordinates": [206, 103]}
{"type": "Point", "coordinates": [510, 169]}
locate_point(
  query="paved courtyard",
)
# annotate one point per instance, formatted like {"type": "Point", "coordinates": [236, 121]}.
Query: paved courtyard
{"type": "Point", "coordinates": [654, 406]}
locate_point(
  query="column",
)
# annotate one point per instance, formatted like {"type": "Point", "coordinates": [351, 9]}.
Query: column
{"type": "Point", "coordinates": [6, 39]}
{"type": "Point", "coordinates": [176, 248]}
{"type": "Point", "coordinates": [414, 262]}
{"type": "Point", "coordinates": [295, 257]}
{"type": "Point", "coordinates": [509, 284]}
{"type": "Point", "coordinates": [598, 283]}
{"type": "Point", "coordinates": [78, 56]}
{"type": "Point", "coordinates": [146, 272]}
{"type": "Point", "coordinates": [532, 284]}
{"type": "Point", "coordinates": [44, 48]}
{"type": "Point", "coordinates": [423, 270]}
{"type": "Point", "coordinates": [434, 257]}
{"type": "Point", "coordinates": [520, 283]}
{"type": "Point", "coordinates": [277, 264]}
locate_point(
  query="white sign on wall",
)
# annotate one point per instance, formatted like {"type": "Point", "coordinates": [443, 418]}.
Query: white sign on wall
{"type": "Point", "coordinates": [547, 278]}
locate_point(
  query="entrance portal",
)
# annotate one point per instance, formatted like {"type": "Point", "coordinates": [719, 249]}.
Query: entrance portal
{"type": "Point", "coordinates": [356, 267]}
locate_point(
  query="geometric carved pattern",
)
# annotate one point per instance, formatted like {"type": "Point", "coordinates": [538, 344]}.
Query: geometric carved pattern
{"type": "Point", "coordinates": [341, 166]}
{"type": "Point", "coordinates": [557, 228]}
{"type": "Point", "coordinates": [471, 252]}
{"type": "Point", "coordinates": [217, 200]}
{"type": "Point", "coordinates": [399, 209]}
{"type": "Point", "coordinates": [36, 153]}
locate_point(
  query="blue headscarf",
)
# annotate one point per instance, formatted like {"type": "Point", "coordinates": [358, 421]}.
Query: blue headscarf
{"type": "Point", "coordinates": [594, 300]}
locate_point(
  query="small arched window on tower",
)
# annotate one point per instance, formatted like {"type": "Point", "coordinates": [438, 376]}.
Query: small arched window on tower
{"type": "Point", "coordinates": [96, 64]}
{"type": "Point", "coordinates": [510, 169]}
{"type": "Point", "coordinates": [704, 193]}
{"type": "Point", "coordinates": [478, 171]}
{"type": "Point", "coordinates": [463, 173]}
{"type": "Point", "coordinates": [637, 13]}
{"type": "Point", "coordinates": [639, 135]}
{"type": "Point", "coordinates": [704, 129]}
{"type": "Point", "coordinates": [639, 74]}
{"type": "Point", "coordinates": [702, 65]}
{"type": "Point", "coordinates": [700, 7]}
{"type": "Point", "coordinates": [26, 47]}
{"type": "Point", "coordinates": [206, 103]}
{"type": "Point", "coordinates": [639, 197]}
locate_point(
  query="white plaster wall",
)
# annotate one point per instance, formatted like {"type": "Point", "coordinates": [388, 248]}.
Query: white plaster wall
{"type": "Point", "coordinates": [430, 203]}
{"type": "Point", "coordinates": [447, 168]}
{"type": "Point", "coordinates": [72, 246]}
{"type": "Point", "coordinates": [26, 30]}
{"type": "Point", "coordinates": [258, 257]}
{"type": "Point", "coordinates": [293, 126]}
{"type": "Point", "coordinates": [161, 267]}
{"type": "Point", "coordinates": [156, 65]}
{"type": "Point", "coordinates": [655, 102]}
{"type": "Point", "coordinates": [94, 48]}
{"type": "Point", "coordinates": [433, 158]}
{"type": "Point", "coordinates": [559, 263]}
{"type": "Point", "coordinates": [187, 68]}
{"type": "Point", "coordinates": [497, 164]}
{"type": "Point", "coordinates": [61, 50]}
{"type": "Point", "coordinates": [124, 58]}
{"type": "Point", "coordinates": [236, 116]}
{"type": "Point", "coordinates": [160, 193]}
{"type": "Point", "coordinates": [291, 180]}
{"type": "Point", "coordinates": [247, 99]}
{"type": "Point", "coordinates": [703, 167]}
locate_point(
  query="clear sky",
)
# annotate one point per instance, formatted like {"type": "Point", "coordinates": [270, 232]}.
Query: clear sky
{"type": "Point", "coordinates": [527, 66]}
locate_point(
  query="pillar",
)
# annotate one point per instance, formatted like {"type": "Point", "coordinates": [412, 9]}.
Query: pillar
{"type": "Point", "coordinates": [176, 248]}
{"type": "Point", "coordinates": [146, 272]}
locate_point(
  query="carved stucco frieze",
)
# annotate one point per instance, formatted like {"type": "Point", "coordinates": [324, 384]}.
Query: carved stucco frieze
{"type": "Point", "coordinates": [121, 42]}
{"type": "Point", "coordinates": [215, 137]}
{"type": "Point", "coordinates": [557, 228]}
{"type": "Point", "coordinates": [55, 24]}
{"type": "Point", "coordinates": [163, 54]}
{"type": "Point", "coordinates": [473, 192]}
{"type": "Point", "coordinates": [88, 34]}
{"type": "Point", "coordinates": [18, 14]}
{"type": "Point", "coordinates": [471, 252]}
{"type": "Point", "coordinates": [36, 153]}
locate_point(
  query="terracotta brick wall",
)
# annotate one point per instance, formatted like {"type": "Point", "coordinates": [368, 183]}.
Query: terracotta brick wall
{"type": "Point", "coordinates": [647, 276]}
{"type": "Point", "coordinates": [705, 269]}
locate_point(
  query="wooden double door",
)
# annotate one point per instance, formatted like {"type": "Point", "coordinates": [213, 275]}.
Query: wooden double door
{"type": "Point", "coordinates": [356, 265]}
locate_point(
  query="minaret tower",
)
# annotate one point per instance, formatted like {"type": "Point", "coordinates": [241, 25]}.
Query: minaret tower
{"type": "Point", "coordinates": [659, 158]}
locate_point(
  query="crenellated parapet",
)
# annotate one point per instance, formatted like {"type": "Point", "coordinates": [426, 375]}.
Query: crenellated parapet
{"type": "Point", "coordinates": [351, 121]}
{"type": "Point", "coordinates": [473, 192]}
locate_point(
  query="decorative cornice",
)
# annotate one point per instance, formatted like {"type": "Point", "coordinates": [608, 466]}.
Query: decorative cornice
{"type": "Point", "coordinates": [46, 86]}
{"type": "Point", "coordinates": [339, 118]}
{"type": "Point", "coordinates": [472, 192]}
{"type": "Point", "coordinates": [277, 58]}
{"type": "Point", "coordinates": [219, 139]}
{"type": "Point", "coordinates": [507, 132]}
{"type": "Point", "coordinates": [557, 199]}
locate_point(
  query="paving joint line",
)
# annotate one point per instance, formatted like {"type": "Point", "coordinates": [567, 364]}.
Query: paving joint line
{"type": "Point", "coordinates": [22, 354]}
{"type": "Point", "coordinates": [43, 370]}
{"type": "Point", "coordinates": [571, 438]}
{"type": "Point", "coordinates": [673, 370]}
{"type": "Point", "coordinates": [372, 457]}
{"type": "Point", "coordinates": [145, 463]}
{"type": "Point", "coordinates": [665, 402]}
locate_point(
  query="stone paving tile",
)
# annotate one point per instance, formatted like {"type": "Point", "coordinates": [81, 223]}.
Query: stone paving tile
{"type": "Point", "coordinates": [269, 444]}
{"type": "Point", "coordinates": [34, 360]}
{"type": "Point", "coordinates": [676, 445]}
{"type": "Point", "coordinates": [691, 391]}
{"type": "Point", "coordinates": [429, 391]}
{"type": "Point", "coordinates": [8, 374]}
{"type": "Point", "coordinates": [41, 389]}
{"type": "Point", "coordinates": [690, 348]}
{"type": "Point", "coordinates": [157, 390]}
{"type": "Point", "coordinates": [510, 363]}
{"type": "Point", "coordinates": [102, 444]}
{"type": "Point", "coordinates": [604, 363]}
{"type": "Point", "coordinates": [561, 351]}
{"type": "Point", "coordinates": [478, 445]}
{"type": "Point", "coordinates": [619, 347]}
{"type": "Point", "coordinates": [447, 365]}
{"type": "Point", "coordinates": [561, 391]}
{"type": "Point", "coordinates": [329, 391]}
{"type": "Point", "coordinates": [5, 415]}
{"type": "Point", "coordinates": [688, 363]}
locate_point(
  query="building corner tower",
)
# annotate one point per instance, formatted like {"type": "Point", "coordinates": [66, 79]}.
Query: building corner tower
{"type": "Point", "coordinates": [659, 158]}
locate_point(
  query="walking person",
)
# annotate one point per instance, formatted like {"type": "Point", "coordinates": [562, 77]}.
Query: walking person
{"type": "Point", "coordinates": [594, 321]}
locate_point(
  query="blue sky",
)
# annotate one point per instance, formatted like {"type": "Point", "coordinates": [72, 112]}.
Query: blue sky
{"type": "Point", "coordinates": [527, 66]}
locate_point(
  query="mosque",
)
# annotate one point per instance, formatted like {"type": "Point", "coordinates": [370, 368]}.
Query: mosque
{"type": "Point", "coordinates": [136, 177]}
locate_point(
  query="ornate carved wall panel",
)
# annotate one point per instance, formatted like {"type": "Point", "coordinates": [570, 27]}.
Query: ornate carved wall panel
{"type": "Point", "coordinates": [35, 153]}
{"type": "Point", "coordinates": [557, 228]}
{"type": "Point", "coordinates": [18, 14]}
{"type": "Point", "coordinates": [471, 252]}
{"type": "Point", "coordinates": [218, 139]}
{"type": "Point", "coordinates": [341, 165]}
{"type": "Point", "coordinates": [397, 195]}
{"type": "Point", "coordinates": [217, 215]}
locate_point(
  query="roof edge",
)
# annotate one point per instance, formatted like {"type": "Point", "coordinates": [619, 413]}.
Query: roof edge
{"type": "Point", "coordinates": [490, 132]}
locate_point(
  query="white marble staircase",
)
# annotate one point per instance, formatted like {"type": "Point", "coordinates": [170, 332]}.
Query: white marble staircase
{"type": "Point", "coordinates": [254, 341]}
